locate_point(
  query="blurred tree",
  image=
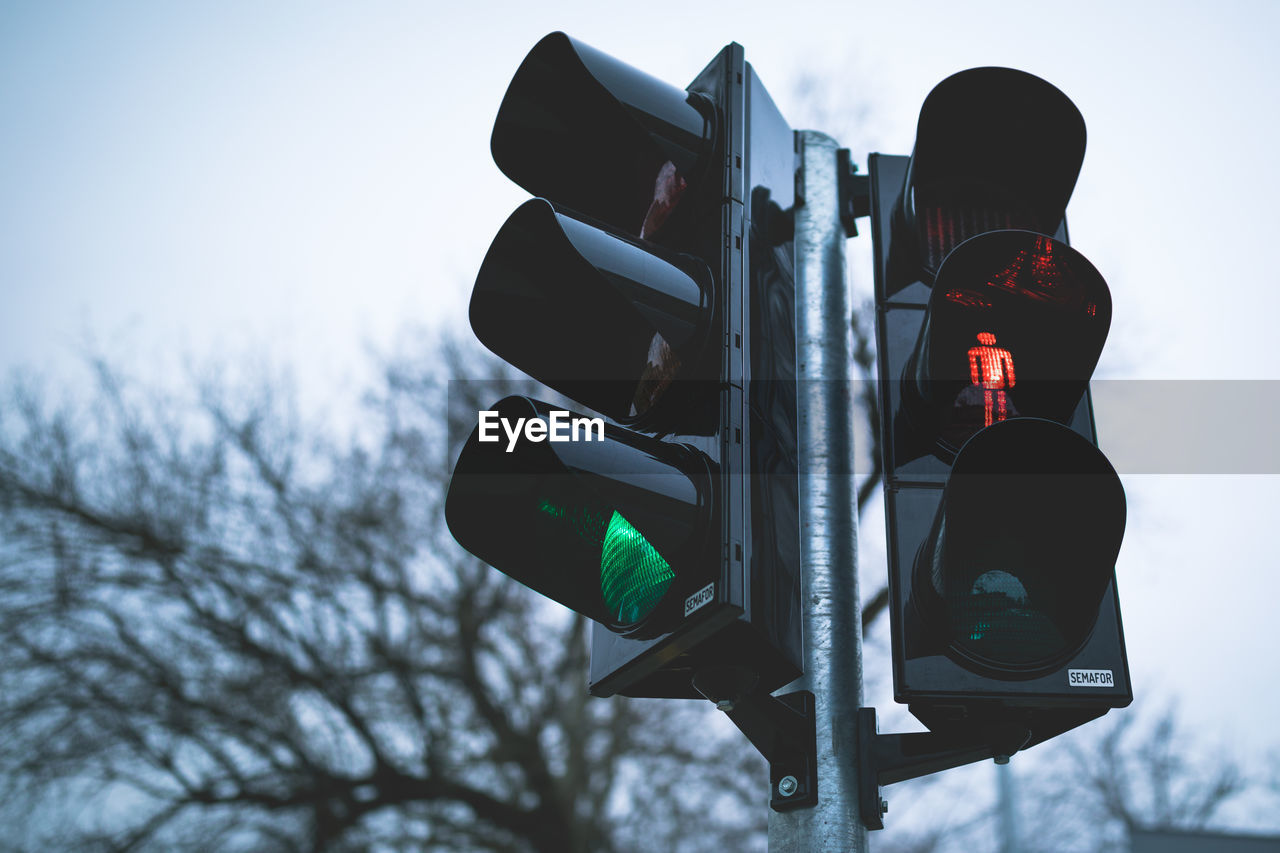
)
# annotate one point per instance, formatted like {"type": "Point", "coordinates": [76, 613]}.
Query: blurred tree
{"type": "Point", "coordinates": [1137, 770]}
{"type": "Point", "coordinates": [220, 629]}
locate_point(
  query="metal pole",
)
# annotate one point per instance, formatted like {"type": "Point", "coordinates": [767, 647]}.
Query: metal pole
{"type": "Point", "coordinates": [1008, 809]}
{"type": "Point", "coordinates": [828, 512]}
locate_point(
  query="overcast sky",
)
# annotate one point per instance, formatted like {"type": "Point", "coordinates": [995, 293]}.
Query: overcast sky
{"type": "Point", "coordinates": [303, 179]}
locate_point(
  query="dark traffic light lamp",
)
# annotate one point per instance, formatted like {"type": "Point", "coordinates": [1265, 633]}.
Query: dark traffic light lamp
{"type": "Point", "coordinates": [1009, 579]}
{"type": "Point", "coordinates": [617, 324]}
{"type": "Point", "coordinates": [995, 149]}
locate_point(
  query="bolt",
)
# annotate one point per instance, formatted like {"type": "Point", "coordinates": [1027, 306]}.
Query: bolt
{"type": "Point", "coordinates": [884, 806]}
{"type": "Point", "coordinates": [725, 705]}
{"type": "Point", "coordinates": [787, 786]}
{"type": "Point", "coordinates": [1002, 759]}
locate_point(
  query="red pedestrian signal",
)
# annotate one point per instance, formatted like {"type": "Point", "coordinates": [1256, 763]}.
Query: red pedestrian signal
{"type": "Point", "coordinates": [1004, 519]}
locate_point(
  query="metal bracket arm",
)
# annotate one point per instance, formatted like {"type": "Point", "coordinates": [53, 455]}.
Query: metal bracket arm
{"type": "Point", "coordinates": [782, 728]}
{"type": "Point", "coordinates": [885, 759]}
{"type": "Point", "coordinates": [854, 192]}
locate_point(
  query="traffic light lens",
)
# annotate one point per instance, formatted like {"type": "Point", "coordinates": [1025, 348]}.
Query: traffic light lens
{"type": "Point", "coordinates": [997, 621]}
{"type": "Point", "coordinates": [948, 218]}
{"type": "Point", "coordinates": [1015, 324]}
{"type": "Point", "coordinates": [633, 575]}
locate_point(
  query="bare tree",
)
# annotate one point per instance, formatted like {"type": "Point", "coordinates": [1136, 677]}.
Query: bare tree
{"type": "Point", "coordinates": [1131, 771]}
{"type": "Point", "coordinates": [220, 629]}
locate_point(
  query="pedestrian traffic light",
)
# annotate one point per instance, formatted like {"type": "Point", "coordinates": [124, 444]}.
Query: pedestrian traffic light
{"type": "Point", "coordinates": [1004, 519]}
{"type": "Point", "coordinates": [650, 282]}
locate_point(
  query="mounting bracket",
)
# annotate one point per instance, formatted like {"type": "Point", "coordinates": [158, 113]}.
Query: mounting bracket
{"type": "Point", "coordinates": [782, 728]}
{"type": "Point", "coordinates": [854, 192]}
{"type": "Point", "coordinates": [885, 759]}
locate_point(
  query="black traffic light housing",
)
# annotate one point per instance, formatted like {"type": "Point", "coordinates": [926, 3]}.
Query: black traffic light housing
{"type": "Point", "coordinates": [650, 282]}
{"type": "Point", "coordinates": [1004, 519]}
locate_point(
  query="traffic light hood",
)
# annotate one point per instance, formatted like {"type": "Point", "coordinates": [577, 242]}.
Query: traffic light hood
{"type": "Point", "coordinates": [995, 148]}
{"type": "Point", "coordinates": [592, 133]}
{"type": "Point", "coordinates": [605, 319]}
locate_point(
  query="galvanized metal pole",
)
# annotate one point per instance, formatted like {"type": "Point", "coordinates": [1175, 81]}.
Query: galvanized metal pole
{"type": "Point", "coordinates": [828, 512]}
{"type": "Point", "coordinates": [1008, 809]}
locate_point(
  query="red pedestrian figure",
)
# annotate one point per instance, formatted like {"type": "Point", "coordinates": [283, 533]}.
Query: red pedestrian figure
{"type": "Point", "coordinates": [991, 368]}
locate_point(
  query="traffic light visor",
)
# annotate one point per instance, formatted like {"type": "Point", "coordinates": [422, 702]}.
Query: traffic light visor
{"type": "Point", "coordinates": [995, 149]}
{"type": "Point", "coordinates": [608, 320]}
{"type": "Point", "coordinates": [592, 133]}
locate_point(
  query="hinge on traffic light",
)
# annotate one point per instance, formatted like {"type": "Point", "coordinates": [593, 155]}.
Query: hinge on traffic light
{"type": "Point", "coordinates": [885, 759]}
{"type": "Point", "coordinates": [855, 192]}
{"type": "Point", "coordinates": [782, 728]}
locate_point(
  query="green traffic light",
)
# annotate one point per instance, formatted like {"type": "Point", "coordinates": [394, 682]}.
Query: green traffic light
{"type": "Point", "coordinates": [633, 575]}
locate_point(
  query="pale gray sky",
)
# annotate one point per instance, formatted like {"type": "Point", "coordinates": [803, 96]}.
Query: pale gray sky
{"type": "Point", "coordinates": [303, 178]}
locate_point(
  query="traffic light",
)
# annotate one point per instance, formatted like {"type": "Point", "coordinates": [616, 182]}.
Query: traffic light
{"type": "Point", "coordinates": [651, 283]}
{"type": "Point", "coordinates": [1004, 519]}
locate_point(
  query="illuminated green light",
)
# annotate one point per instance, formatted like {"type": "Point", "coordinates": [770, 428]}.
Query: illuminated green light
{"type": "Point", "coordinates": [633, 576]}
